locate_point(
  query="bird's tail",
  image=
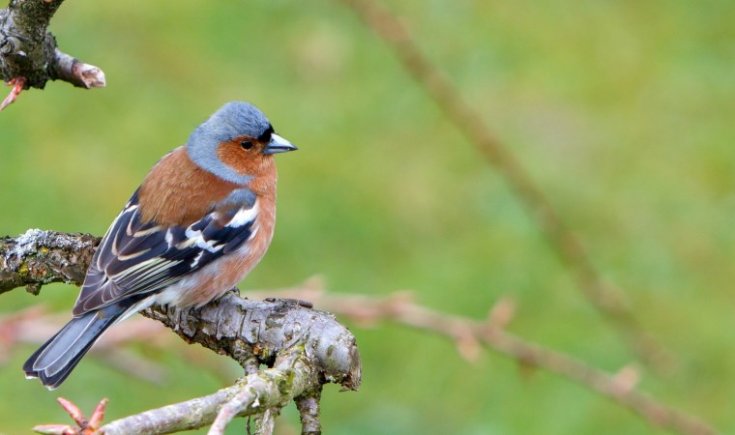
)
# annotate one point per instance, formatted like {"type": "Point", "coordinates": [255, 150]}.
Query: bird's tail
{"type": "Point", "coordinates": [55, 360]}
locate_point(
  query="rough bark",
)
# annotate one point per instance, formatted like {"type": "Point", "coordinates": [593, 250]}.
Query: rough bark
{"type": "Point", "coordinates": [248, 331]}
{"type": "Point", "coordinates": [42, 257]}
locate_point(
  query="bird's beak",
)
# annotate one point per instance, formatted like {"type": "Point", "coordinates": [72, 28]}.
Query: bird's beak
{"type": "Point", "coordinates": [278, 145]}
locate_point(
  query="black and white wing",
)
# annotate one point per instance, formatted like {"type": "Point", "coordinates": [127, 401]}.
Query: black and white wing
{"type": "Point", "coordinates": [136, 259]}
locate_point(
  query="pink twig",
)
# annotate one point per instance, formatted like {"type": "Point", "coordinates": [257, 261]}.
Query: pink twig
{"type": "Point", "coordinates": [18, 83]}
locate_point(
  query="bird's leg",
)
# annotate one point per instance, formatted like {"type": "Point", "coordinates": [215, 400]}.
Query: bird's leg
{"type": "Point", "coordinates": [17, 83]}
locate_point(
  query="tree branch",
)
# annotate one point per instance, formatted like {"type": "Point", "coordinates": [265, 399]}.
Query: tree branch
{"type": "Point", "coordinates": [305, 347]}
{"type": "Point", "coordinates": [248, 330]}
{"type": "Point", "coordinates": [42, 257]}
{"type": "Point", "coordinates": [254, 394]}
{"type": "Point", "coordinates": [288, 333]}
{"type": "Point", "coordinates": [29, 54]}
{"type": "Point", "coordinates": [609, 300]}
{"type": "Point", "coordinates": [308, 406]}
{"type": "Point", "coordinates": [470, 335]}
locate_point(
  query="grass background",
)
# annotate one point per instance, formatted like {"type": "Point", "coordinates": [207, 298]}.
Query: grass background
{"type": "Point", "coordinates": [621, 111]}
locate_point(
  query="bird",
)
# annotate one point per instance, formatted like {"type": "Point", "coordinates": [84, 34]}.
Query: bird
{"type": "Point", "coordinates": [200, 221]}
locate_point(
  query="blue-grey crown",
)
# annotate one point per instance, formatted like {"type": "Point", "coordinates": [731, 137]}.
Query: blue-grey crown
{"type": "Point", "coordinates": [234, 119]}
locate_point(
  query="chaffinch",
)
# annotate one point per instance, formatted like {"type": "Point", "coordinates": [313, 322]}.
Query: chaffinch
{"type": "Point", "coordinates": [200, 221]}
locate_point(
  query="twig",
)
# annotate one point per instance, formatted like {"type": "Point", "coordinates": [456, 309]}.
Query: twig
{"type": "Point", "coordinates": [308, 407]}
{"type": "Point", "coordinates": [291, 376]}
{"type": "Point", "coordinates": [266, 423]}
{"type": "Point", "coordinates": [16, 87]}
{"type": "Point", "coordinates": [191, 414]}
{"type": "Point", "coordinates": [83, 426]}
{"type": "Point", "coordinates": [28, 52]}
{"type": "Point", "coordinates": [608, 300]}
{"type": "Point", "coordinates": [76, 72]}
{"type": "Point", "coordinates": [469, 335]}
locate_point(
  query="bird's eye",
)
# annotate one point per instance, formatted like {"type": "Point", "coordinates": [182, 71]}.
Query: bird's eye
{"type": "Point", "coordinates": [246, 144]}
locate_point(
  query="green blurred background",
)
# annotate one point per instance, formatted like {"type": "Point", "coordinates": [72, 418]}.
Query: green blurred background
{"type": "Point", "coordinates": [622, 111]}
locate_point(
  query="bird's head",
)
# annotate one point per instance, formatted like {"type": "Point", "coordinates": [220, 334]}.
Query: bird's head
{"type": "Point", "coordinates": [236, 142]}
